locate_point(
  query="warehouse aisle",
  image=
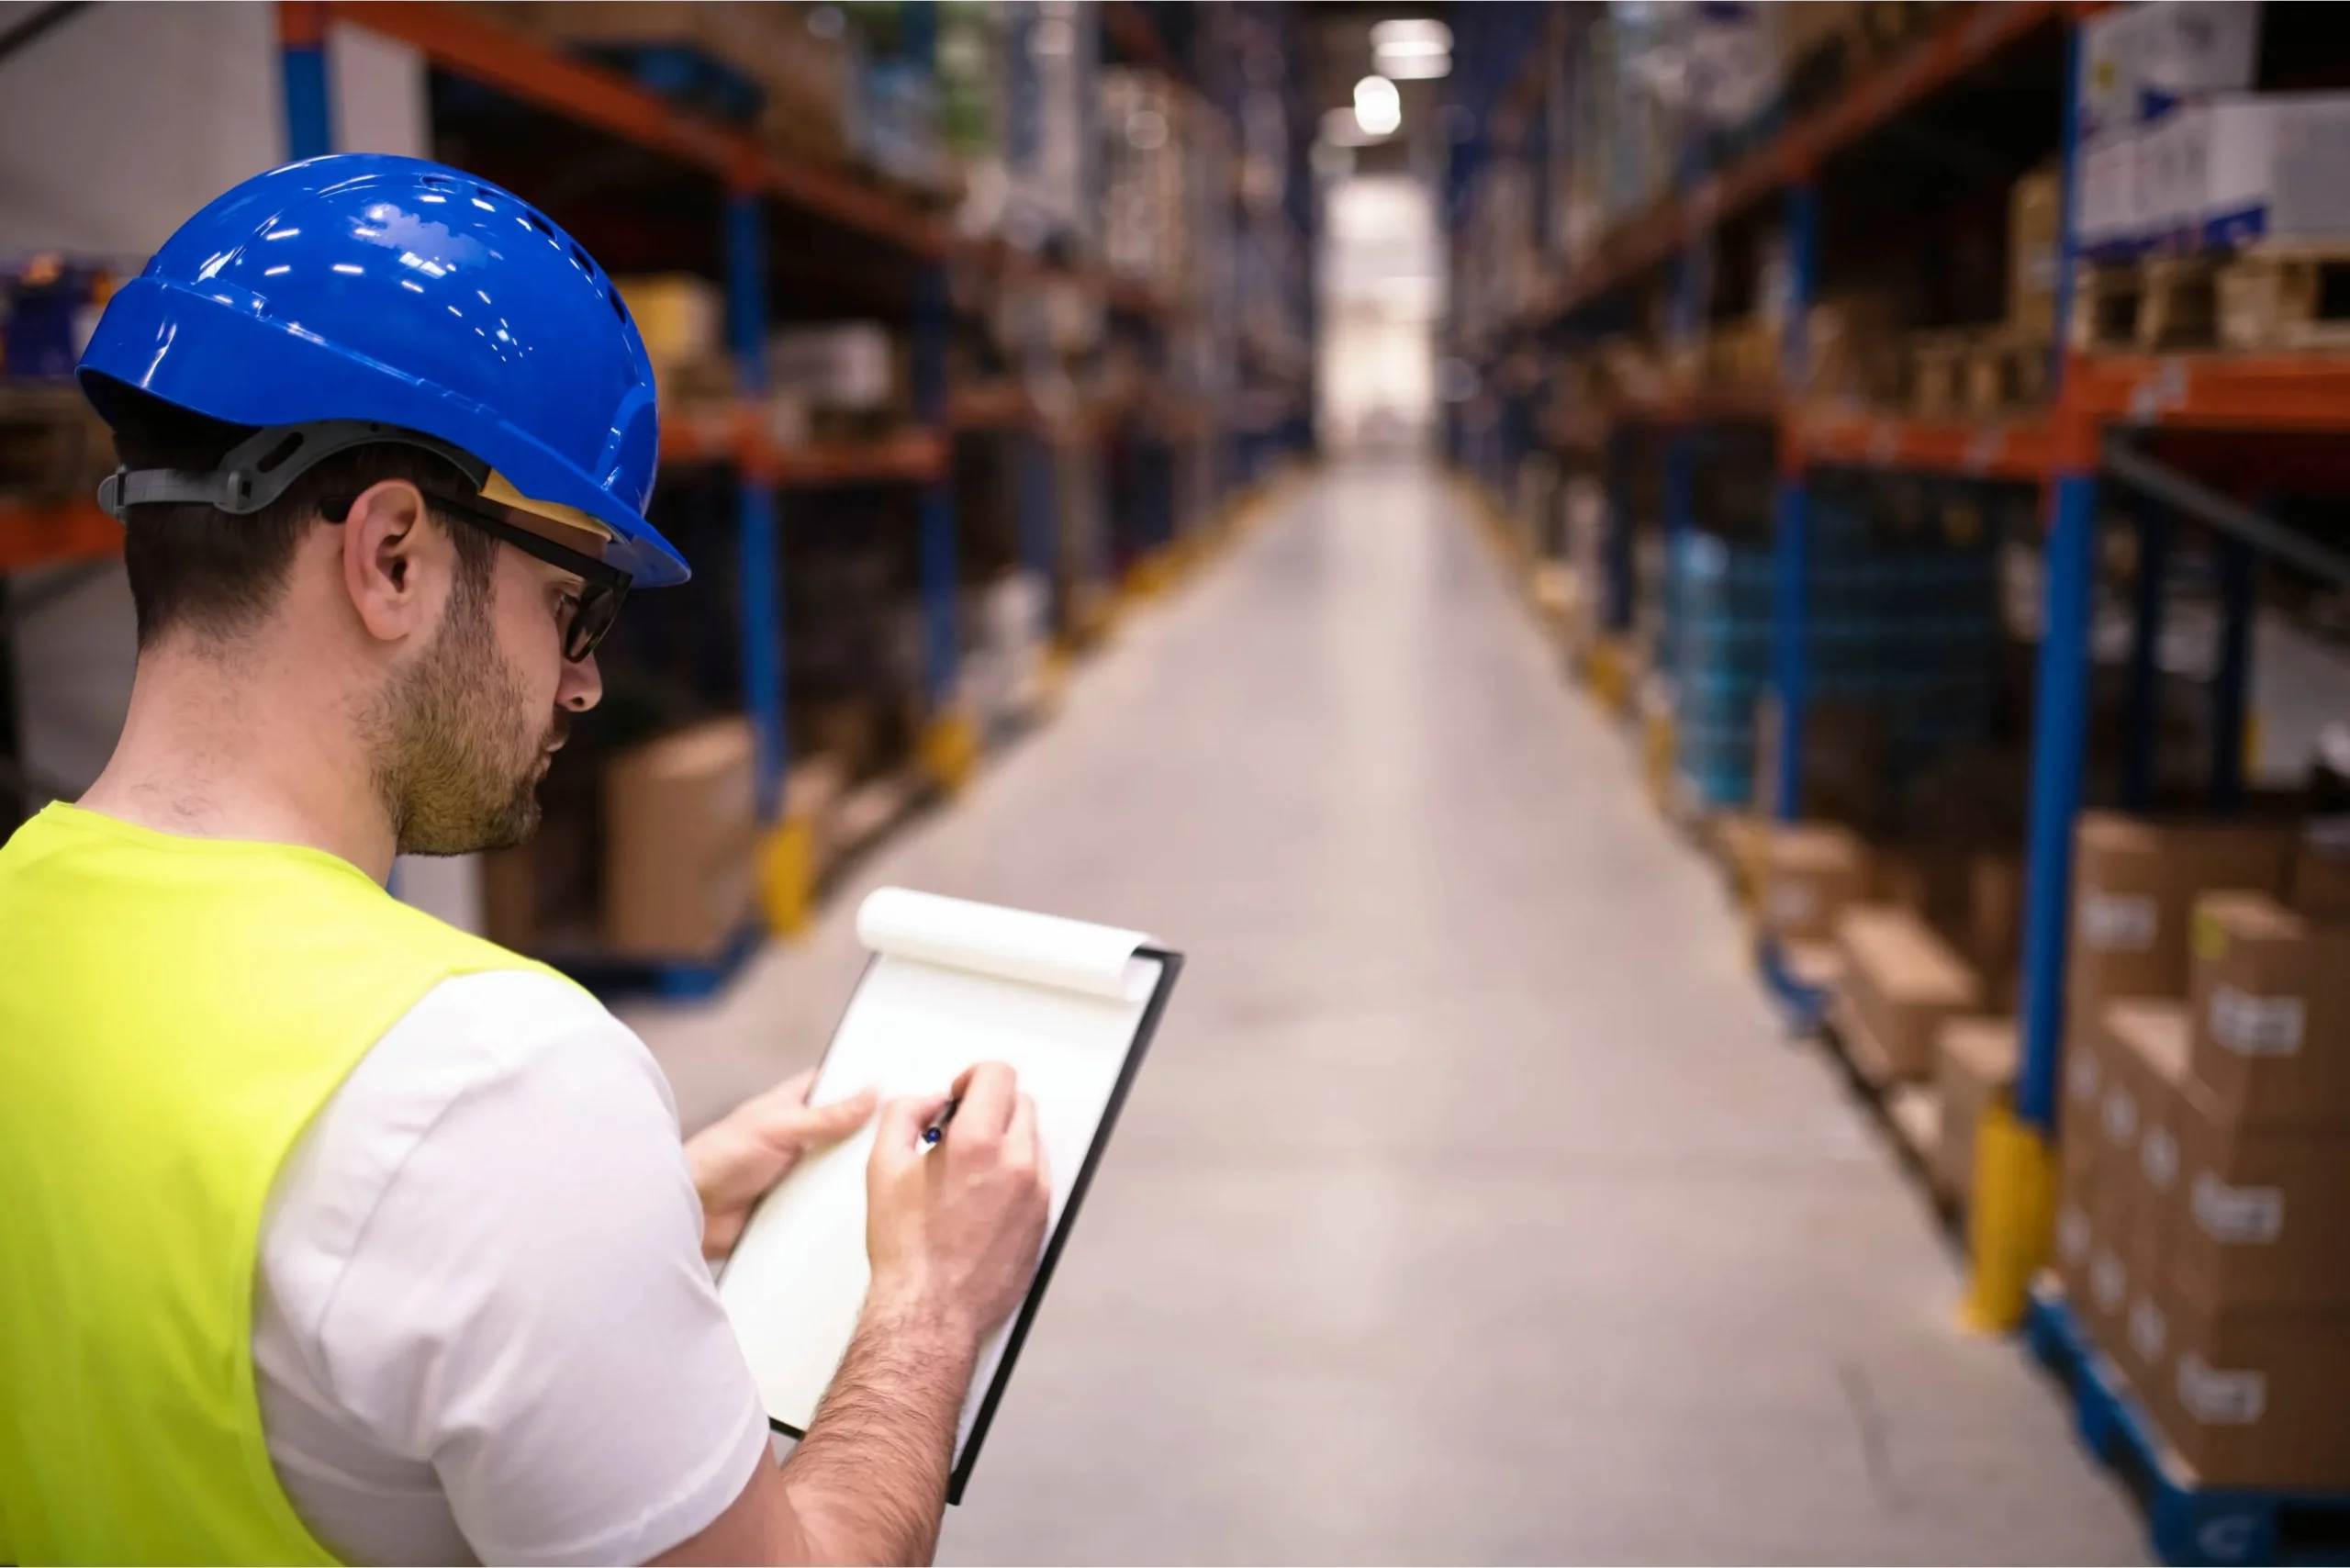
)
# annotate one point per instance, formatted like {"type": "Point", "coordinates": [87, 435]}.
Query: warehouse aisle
{"type": "Point", "coordinates": [1471, 1207]}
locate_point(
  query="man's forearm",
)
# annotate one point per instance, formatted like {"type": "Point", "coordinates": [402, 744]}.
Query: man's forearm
{"type": "Point", "coordinates": [869, 1479]}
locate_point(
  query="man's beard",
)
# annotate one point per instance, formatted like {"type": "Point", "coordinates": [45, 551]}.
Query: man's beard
{"type": "Point", "coordinates": [458, 749]}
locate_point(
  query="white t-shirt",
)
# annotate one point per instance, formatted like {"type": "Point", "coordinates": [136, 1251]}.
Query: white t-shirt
{"type": "Point", "coordinates": [482, 1324]}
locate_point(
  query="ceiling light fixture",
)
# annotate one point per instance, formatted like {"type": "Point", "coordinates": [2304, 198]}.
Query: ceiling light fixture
{"type": "Point", "coordinates": [1379, 108]}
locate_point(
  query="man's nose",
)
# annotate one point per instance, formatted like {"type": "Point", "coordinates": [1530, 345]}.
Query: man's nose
{"type": "Point", "coordinates": [582, 686]}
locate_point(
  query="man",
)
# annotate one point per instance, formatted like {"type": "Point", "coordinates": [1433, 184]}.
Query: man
{"type": "Point", "coordinates": [326, 1231]}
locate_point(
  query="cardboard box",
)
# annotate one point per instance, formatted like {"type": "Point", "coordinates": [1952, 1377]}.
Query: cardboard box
{"type": "Point", "coordinates": [2271, 993]}
{"type": "Point", "coordinates": [2076, 1123]}
{"type": "Point", "coordinates": [1812, 872]}
{"type": "Point", "coordinates": [2035, 224]}
{"type": "Point", "coordinates": [680, 829]}
{"type": "Point", "coordinates": [2321, 879]}
{"type": "Point", "coordinates": [2106, 1312]}
{"type": "Point", "coordinates": [2256, 1398]}
{"type": "Point", "coordinates": [2076, 1232]}
{"type": "Point", "coordinates": [2145, 1059]}
{"type": "Point", "coordinates": [1902, 983]}
{"type": "Point", "coordinates": [2137, 63]}
{"type": "Point", "coordinates": [2249, 167]}
{"type": "Point", "coordinates": [2134, 883]}
{"type": "Point", "coordinates": [1974, 1069]}
{"type": "Point", "coordinates": [2261, 1215]}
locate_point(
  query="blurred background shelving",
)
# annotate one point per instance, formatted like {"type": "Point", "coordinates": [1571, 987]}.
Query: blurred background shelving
{"type": "Point", "coordinates": [964, 316]}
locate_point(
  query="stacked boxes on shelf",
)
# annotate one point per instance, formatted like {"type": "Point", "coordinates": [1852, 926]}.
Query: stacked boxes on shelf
{"type": "Point", "coordinates": [1902, 629]}
{"type": "Point", "coordinates": [2204, 1220]}
{"type": "Point", "coordinates": [1143, 176]}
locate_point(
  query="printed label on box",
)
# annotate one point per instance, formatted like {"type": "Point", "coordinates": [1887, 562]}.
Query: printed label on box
{"type": "Point", "coordinates": [2219, 1399]}
{"type": "Point", "coordinates": [2106, 1281]}
{"type": "Point", "coordinates": [2243, 1217]}
{"type": "Point", "coordinates": [2149, 1329]}
{"type": "Point", "coordinates": [2081, 1077]}
{"type": "Point", "coordinates": [2158, 1158]}
{"type": "Point", "coordinates": [1793, 904]}
{"type": "Point", "coordinates": [2257, 1025]}
{"type": "Point", "coordinates": [2119, 1115]}
{"type": "Point", "coordinates": [2117, 922]}
{"type": "Point", "coordinates": [2072, 1235]}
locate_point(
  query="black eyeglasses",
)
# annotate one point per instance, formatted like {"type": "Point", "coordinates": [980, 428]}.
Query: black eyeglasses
{"type": "Point", "coordinates": [603, 589]}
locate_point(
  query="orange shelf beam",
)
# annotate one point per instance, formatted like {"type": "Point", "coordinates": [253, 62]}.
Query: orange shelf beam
{"type": "Point", "coordinates": [1925, 69]}
{"type": "Point", "coordinates": [43, 536]}
{"type": "Point", "coordinates": [996, 405]}
{"type": "Point", "coordinates": [1995, 449]}
{"type": "Point", "coordinates": [2307, 393]}
{"type": "Point", "coordinates": [914, 456]}
{"type": "Point", "coordinates": [514, 63]}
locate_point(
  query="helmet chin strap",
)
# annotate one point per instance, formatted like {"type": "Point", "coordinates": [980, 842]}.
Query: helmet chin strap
{"type": "Point", "coordinates": [259, 470]}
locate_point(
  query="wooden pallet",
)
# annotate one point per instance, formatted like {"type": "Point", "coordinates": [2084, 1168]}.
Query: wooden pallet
{"type": "Point", "coordinates": [2005, 372]}
{"type": "Point", "coordinates": [2152, 305]}
{"type": "Point", "coordinates": [2286, 297]}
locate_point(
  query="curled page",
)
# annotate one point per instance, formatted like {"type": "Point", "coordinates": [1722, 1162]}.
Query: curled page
{"type": "Point", "coordinates": [1039, 949]}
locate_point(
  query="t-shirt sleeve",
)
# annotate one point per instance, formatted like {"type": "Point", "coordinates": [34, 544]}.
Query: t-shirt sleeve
{"type": "Point", "coordinates": [526, 1308]}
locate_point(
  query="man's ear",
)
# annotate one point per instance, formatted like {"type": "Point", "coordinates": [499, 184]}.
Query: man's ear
{"type": "Point", "coordinates": [394, 567]}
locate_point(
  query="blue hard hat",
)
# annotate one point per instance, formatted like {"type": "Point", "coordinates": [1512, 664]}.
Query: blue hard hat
{"type": "Point", "coordinates": [405, 293]}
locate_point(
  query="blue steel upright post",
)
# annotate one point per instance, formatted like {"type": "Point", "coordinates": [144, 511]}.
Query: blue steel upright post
{"type": "Point", "coordinates": [1791, 608]}
{"type": "Point", "coordinates": [2011, 1211]}
{"type": "Point", "coordinates": [949, 742]}
{"type": "Point", "coordinates": [302, 60]}
{"type": "Point", "coordinates": [786, 853]}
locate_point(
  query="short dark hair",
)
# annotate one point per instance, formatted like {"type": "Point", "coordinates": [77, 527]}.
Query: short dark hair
{"type": "Point", "coordinates": [193, 565]}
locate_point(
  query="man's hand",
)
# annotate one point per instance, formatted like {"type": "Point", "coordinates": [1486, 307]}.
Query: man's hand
{"type": "Point", "coordinates": [954, 1230]}
{"type": "Point", "coordinates": [736, 1160]}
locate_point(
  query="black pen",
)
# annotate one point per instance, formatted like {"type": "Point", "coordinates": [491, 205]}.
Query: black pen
{"type": "Point", "coordinates": [930, 1134]}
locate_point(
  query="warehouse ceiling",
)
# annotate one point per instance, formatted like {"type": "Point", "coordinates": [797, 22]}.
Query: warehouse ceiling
{"type": "Point", "coordinates": [1338, 44]}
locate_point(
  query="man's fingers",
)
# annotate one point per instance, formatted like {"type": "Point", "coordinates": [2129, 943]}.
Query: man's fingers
{"type": "Point", "coordinates": [902, 1121]}
{"type": "Point", "coordinates": [829, 1124]}
{"type": "Point", "coordinates": [988, 1092]}
{"type": "Point", "coordinates": [1021, 1141]}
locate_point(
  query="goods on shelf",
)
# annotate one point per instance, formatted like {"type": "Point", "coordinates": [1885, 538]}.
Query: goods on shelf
{"type": "Point", "coordinates": [1006, 676]}
{"type": "Point", "coordinates": [1743, 356]}
{"type": "Point", "coordinates": [2134, 885]}
{"type": "Point", "coordinates": [1852, 352]}
{"type": "Point", "coordinates": [2035, 244]}
{"type": "Point", "coordinates": [1811, 873]}
{"type": "Point", "coordinates": [53, 447]}
{"type": "Point", "coordinates": [796, 61]}
{"type": "Point", "coordinates": [2138, 62]}
{"type": "Point", "coordinates": [2271, 994]}
{"type": "Point", "coordinates": [851, 377]}
{"type": "Point", "coordinates": [1975, 1069]}
{"type": "Point", "coordinates": [680, 829]}
{"type": "Point", "coordinates": [683, 320]}
{"type": "Point", "coordinates": [2321, 877]}
{"type": "Point", "coordinates": [2288, 297]}
{"type": "Point", "coordinates": [1143, 166]}
{"type": "Point", "coordinates": [2237, 169]}
{"type": "Point", "coordinates": [2223, 1215]}
{"type": "Point", "coordinates": [1903, 629]}
{"type": "Point", "coordinates": [1900, 985]}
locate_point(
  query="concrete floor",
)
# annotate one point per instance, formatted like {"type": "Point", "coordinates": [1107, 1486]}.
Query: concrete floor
{"type": "Point", "coordinates": [1472, 1206]}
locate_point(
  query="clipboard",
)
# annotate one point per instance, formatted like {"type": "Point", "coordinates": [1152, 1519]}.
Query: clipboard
{"type": "Point", "coordinates": [947, 982]}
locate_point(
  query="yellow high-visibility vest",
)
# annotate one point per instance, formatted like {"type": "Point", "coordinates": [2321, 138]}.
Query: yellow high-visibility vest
{"type": "Point", "coordinates": [173, 1013]}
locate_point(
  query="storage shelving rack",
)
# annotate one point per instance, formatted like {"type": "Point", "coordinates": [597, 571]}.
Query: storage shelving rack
{"type": "Point", "coordinates": [2144, 421]}
{"type": "Point", "coordinates": [755, 188]}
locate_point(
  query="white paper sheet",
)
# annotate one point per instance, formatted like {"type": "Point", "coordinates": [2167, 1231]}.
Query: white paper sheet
{"type": "Point", "coordinates": [952, 983]}
{"type": "Point", "coordinates": [1009, 944]}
